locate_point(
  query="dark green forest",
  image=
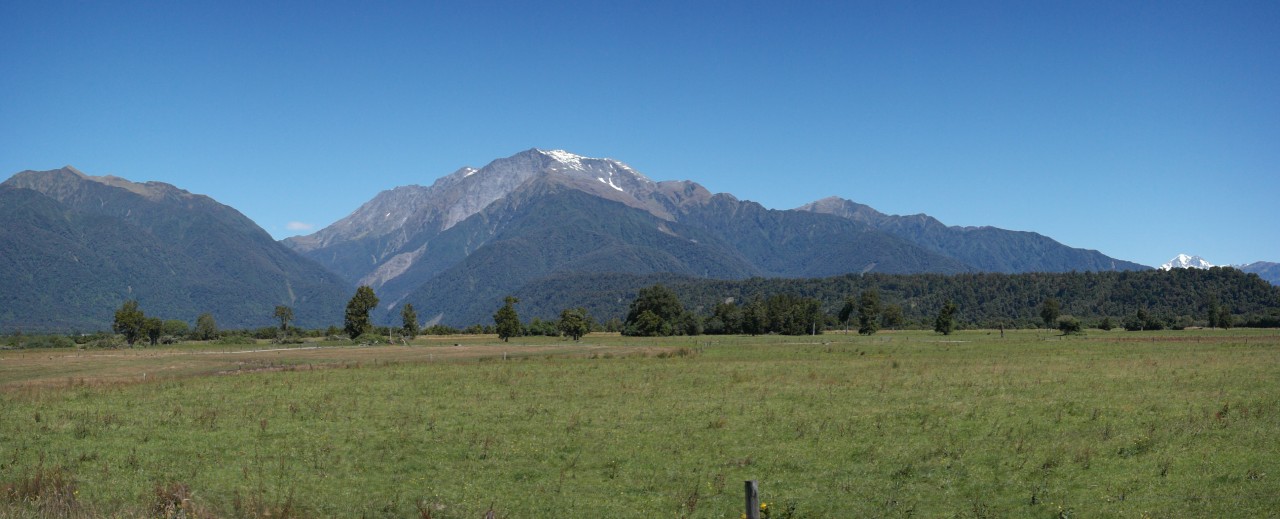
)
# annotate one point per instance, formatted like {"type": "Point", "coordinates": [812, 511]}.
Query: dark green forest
{"type": "Point", "coordinates": [1177, 298]}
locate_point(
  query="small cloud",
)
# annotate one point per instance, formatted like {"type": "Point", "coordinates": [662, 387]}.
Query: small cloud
{"type": "Point", "coordinates": [298, 226]}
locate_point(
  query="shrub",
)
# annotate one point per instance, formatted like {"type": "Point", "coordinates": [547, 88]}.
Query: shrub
{"type": "Point", "coordinates": [369, 338]}
{"type": "Point", "coordinates": [234, 339]}
{"type": "Point", "coordinates": [1069, 325]}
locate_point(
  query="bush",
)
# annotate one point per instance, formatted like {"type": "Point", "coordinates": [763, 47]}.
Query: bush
{"type": "Point", "coordinates": [369, 338]}
{"type": "Point", "coordinates": [46, 341]}
{"type": "Point", "coordinates": [1069, 325]}
{"type": "Point", "coordinates": [266, 332]}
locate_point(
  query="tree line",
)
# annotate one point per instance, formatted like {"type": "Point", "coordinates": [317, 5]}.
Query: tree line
{"type": "Point", "coordinates": [1149, 300]}
{"type": "Point", "coordinates": [1170, 299]}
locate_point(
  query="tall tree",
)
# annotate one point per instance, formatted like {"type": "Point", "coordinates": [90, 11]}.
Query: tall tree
{"type": "Point", "coordinates": [787, 314]}
{"type": "Point", "coordinates": [284, 314]}
{"type": "Point", "coordinates": [409, 318]}
{"type": "Point", "coordinates": [574, 323]}
{"type": "Point", "coordinates": [175, 328]}
{"type": "Point", "coordinates": [129, 321]}
{"type": "Point", "coordinates": [663, 304]}
{"type": "Point", "coordinates": [869, 312]}
{"type": "Point", "coordinates": [152, 327]}
{"type": "Point", "coordinates": [206, 327]}
{"type": "Point", "coordinates": [846, 311]}
{"type": "Point", "coordinates": [1224, 317]}
{"type": "Point", "coordinates": [356, 320]}
{"type": "Point", "coordinates": [754, 317]}
{"type": "Point", "coordinates": [1050, 309]}
{"type": "Point", "coordinates": [729, 317]}
{"type": "Point", "coordinates": [946, 321]}
{"type": "Point", "coordinates": [505, 320]}
{"type": "Point", "coordinates": [893, 317]}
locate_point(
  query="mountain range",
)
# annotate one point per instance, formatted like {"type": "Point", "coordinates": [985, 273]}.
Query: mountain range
{"type": "Point", "coordinates": [458, 245]}
{"type": "Point", "coordinates": [75, 246]}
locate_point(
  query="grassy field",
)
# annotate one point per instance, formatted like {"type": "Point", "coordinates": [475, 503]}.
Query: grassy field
{"type": "Point", "coordinates": [1112, 424]}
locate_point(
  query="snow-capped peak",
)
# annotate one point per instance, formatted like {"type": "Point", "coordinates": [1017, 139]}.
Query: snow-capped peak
{"type": "Point", "coordinates": [565, 157]}
{"type": "Point", "coordinates": [1183, 261]}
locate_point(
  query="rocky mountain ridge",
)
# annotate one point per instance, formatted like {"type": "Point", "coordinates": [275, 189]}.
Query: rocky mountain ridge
{"type": "Point", "coordinates": [406, 241]}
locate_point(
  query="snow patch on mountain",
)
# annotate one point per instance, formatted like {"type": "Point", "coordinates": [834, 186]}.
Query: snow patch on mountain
{"type": "Point", "coordinates": [569, 159]}
{"type": "Point", "coordinates": [610, 183]}
{"type": "Point", "coordinates": [1185, 261]}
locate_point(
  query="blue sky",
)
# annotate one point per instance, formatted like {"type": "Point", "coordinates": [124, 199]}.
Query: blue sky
{"type": "Point", "coordinates": [1140, 129]}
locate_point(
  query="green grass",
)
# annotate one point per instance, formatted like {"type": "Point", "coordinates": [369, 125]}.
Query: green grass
{"type": "Point", "coordinates": [898, 424]}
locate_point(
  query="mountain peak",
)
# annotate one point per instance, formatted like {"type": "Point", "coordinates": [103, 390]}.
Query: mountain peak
{"type": "Point", "coordinates": [843, 208]}
{"type": "Point", "coordinates": [1186, 261]}
{"type": "Point", "coordinates": [563, 156]}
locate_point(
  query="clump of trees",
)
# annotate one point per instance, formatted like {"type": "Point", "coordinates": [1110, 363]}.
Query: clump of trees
{"type": "Point", "coordinates": [783, 314]}
{"type": "Point", "coordinates": [573, 323]}
{"type": "Point", "coordinates": [133, 324]}
{"type": "Point", "coordinates": [657, 312]}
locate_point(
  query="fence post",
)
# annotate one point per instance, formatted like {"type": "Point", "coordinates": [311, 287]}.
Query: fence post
{"type": "Point", "coordinates": [753, 499]}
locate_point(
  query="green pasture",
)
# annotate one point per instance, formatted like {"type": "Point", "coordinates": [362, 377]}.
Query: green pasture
{"type": "Point", "coordinates": [899, 424]}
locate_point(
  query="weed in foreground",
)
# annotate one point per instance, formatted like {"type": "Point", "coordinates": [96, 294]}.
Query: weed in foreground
{"type": "Point", "coordinates": [51, 491]}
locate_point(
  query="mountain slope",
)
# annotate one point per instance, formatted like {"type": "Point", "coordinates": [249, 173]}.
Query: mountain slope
{"type": "Point", "coordinates": [379, 240]}
{"type": "Point", "coordinates": [546, 229]}
{"type": "Point", "coordinates": [76, 246]}
{"type": "Point", "coordinates": [984, 248]}
{"type": "Point", "coordinates": [803, 244]}
{"type": "Point", "coordinates": [1267, 270]}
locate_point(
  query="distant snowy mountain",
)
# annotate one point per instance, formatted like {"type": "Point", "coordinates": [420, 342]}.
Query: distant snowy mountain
{"type": "Point", "coordinates": [1183, 261]}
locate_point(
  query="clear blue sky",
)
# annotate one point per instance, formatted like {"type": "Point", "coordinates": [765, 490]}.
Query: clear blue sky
{"type": "Point", "coordinates": [1141, 129]}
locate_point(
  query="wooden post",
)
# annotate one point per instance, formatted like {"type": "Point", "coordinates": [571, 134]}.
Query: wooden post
{"type": "Point", "coordinates": [753, 499]}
